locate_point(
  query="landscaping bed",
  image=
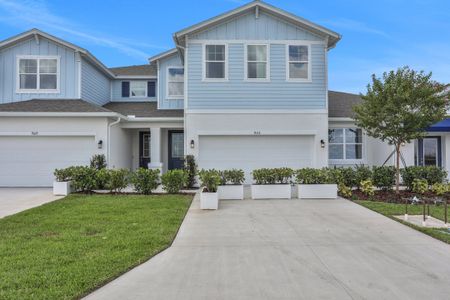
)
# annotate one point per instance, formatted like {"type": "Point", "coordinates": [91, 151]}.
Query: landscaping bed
{"type": "Point", "coordinates": [67, 248]}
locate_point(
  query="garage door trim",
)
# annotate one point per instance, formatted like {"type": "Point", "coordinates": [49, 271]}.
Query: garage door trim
{"type": "Point", "coordinates": [39, 133]}
{"type": "Point", "coordinates": [259, 132]}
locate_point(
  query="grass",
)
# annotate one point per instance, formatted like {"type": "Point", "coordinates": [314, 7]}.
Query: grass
{"type": "Point", "coordinates": [67, 248]}
{"type": "Point", "coordinates": [394, 209]}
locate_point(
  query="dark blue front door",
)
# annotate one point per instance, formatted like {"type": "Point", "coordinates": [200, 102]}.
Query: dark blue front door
{"type": "Point", "coordinates": [176, 149]}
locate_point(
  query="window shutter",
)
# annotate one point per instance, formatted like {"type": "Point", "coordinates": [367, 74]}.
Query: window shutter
{"type": "Point", "coordinates": [151, 89]}
{"type": "Point", "coordinates": [125, 89]}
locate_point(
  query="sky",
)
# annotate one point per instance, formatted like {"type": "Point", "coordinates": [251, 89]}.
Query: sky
{"type": "Point", "coordinates": [378, 35]}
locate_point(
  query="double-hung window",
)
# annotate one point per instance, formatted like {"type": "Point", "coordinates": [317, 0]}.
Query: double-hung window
{"type": "Point", "coordinates": [257, 65]}
{"type": "Point", "coordinates": [345, 143]}
{"type": "Point", "coordinates": [37, 74]}
{"type": "Point", "coordinates": [298, 64]}
{"type": "Point", "coordinates": [215, 62]}
{"type": "Point", "coordinates": [175, 82]}
{"type": "Point", "coordinates": [138, 89]}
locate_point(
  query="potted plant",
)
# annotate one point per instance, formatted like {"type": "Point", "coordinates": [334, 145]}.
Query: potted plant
{"type": "Point", "coordinates": [316, 183]}
{"type": "Point", "coordinates": [231, 186]}
{"type": "Point", "coordinates": [209, 197]}
{"type": "Point", "coordinates": [61, 185]}
{"type": "Point", "coordinates": [272, 183]}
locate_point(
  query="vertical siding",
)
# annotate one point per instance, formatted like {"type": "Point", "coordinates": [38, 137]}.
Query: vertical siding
{"type": "Point", "coordinates": [117, 92]}
{"type": "Point", "coordinates": [95, 86]}
{"type": "Point", "coordinates": [68, 72]}
{"type": "Point", "coordinates": [247, 27]}
{"type": "Point", "coordinates": [237, 93]}
{"type": "Point", "coordinates": [164, 102]}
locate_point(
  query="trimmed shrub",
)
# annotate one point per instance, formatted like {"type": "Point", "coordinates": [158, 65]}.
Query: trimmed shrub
{"type": "Point", "coordinates": [98, 161]}
{"type": "Point", "coordinates": [83, 178]}
{"type": "Point", "coordinates": [367, 187]}
{"type": "Point", "coordinates": [210, 180]}
{"type": "Point", "coordinates": [234, 176]}
{"type": "Point", "coordinates": [173, 181]}
{"type": "Point", "coordinates": [349, 177]}
{"type": "Point", "coordinates": [115, 180]}
{"type": "Point", "coordinates": [362, 173]}
{"type": "Point", "coordinates": [439, 189]}
{"type": "Point", "coordinates": [383, 177]}
{"type": "Point", "coordinates": [344, 191]}
{"type": "Point", "coordinates": [145, 180]}
{"type": "Point", "coordinates": [190, 168]}
{"type": "Point", "coordinates": [318, 176]}
{"type": "Point", "coordinates": [431, 174]}
{"type": "Point", "coordinates": [419, 186]}
{"type": "Point", "coordinates": [272, 176]}
{"type": "Point", "coordinates": [62, 175]}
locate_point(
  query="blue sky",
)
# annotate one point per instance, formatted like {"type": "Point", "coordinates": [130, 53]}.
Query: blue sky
{"type": "Point", "coordinates": [377, 35]}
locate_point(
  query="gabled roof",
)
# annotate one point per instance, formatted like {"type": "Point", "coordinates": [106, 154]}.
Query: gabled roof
{"type": "Point", "coordinates": [163, 54]}
{"type": "Point", "coordinates": [144, 71]}
{"type": "Point", "coordinates": [332, 37]}
{"type": "Point", "coordinates": [36, 33]}
{"type": "Point", "coordinates": [340, 105]}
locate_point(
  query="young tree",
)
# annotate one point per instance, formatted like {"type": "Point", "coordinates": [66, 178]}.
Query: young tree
{"type": "Point", "coordinates": [399, 107]}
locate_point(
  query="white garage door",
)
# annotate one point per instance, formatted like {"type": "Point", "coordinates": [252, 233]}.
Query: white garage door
{"type": "Point", "coordinates": [31, 160]}
{"type": "Point", "coordinates": [253, 152]}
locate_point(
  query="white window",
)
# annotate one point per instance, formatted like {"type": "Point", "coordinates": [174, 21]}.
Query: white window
{"type": "Point", "coordinates": [215, 62]}
{"type": "Point", "coordinates": [138, 89]}
{"type": "Point", "coordinates": [298, 62]}
{"type": "Point", "coordinates": [345, 143]}
{"type": "Point", "coordinates": [37, 74]}
{"type": "Point", "coordinates": [175, 82]}
{"type": "Point", "coordinates": [257, 65]}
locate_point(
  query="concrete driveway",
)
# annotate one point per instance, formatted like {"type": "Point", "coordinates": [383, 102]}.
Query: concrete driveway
{"type": "Point", "coordinates": [14, 200]}
{"type": "Point", "coordinates": [290, 249]}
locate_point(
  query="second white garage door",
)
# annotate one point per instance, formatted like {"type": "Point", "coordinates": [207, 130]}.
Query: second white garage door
{"type": "Point", "coordinates": [253, 152]}
{"type": "Point", "coordinates": [31, 160]}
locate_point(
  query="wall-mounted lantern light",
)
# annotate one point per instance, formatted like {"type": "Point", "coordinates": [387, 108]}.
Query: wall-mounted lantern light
{"type": "Point", "coordinates": [192, 144]}
{"type": "Point", "coordinates": [322, 143]}
{"type": "Point", "coordinates": [100, 144]}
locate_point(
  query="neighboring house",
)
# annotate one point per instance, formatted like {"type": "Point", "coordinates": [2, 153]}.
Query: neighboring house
{"type": "Point", "coordinates": [247, 89]}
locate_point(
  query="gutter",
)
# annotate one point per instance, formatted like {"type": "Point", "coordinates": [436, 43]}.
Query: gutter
{"type": "Point", "coordinates": [108, 155]}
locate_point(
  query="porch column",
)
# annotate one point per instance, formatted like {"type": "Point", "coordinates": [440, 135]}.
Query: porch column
{"type": "Point", "coordinates": [155, 149]}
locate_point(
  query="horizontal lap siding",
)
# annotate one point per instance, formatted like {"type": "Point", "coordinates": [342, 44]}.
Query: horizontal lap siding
{"type": "Point", "coordinates": [237, 93]}
{"type": "Point", "coordinates": [164, 102]}
{"type": "Point", "coordinates": [8, 72]}
{"type": "Point", "coordinates": [95, 86]}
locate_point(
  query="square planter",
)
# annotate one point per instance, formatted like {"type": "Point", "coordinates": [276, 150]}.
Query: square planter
{"type": "Point", "coordinates": [317, 191]}
{"type": "Point", "coordinates": [209, 200]}
{"type": "Point", "coordinates": [231, 192]}
{"type": "Point", "coordinates": [271, 191]}
{"type": "Point", "coordinates": [61, 188]}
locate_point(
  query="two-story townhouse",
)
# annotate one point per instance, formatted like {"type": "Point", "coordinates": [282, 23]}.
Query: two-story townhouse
{"type": "Point", "coordinates": [246, 89]}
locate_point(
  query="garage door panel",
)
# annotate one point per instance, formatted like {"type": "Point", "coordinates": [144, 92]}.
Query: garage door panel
{"type": "Point", "coordinates": [252, 152]}
{"type": "Point", "coordinates": [31, 160]}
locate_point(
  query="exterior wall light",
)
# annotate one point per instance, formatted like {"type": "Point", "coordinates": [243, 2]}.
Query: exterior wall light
{"type": "Point", "coordinates": [322, 143]}
{"type": "Point", "coordinates": [100, 144]}
{"type": "Point", "coordinates": [192, 144]}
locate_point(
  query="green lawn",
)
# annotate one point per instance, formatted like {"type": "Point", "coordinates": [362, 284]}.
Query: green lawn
{"type": "Point", "coordinates": [64, 249]}
{"type": "Point", "coordinates": [391, 209]}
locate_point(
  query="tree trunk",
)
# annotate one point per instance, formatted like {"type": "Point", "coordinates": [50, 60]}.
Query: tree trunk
{"type": "Point", "coordinates": [397, 169]}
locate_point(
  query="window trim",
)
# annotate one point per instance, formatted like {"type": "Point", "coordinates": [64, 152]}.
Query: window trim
{"type": "Point", "coordinates": [204, 78]}
{"type": "Point", "coordinates": [246, 61]}
{"type": "Point", "coordinates": [344, 143]}
{"type": "Point", "coordinates": [287, 61]}
{"type": "Point", "coordinates": [38, 90]}
{"type": "Point", "coordinates": [146, 89]}
{"type": "Point", "coordinates": [167, 83]}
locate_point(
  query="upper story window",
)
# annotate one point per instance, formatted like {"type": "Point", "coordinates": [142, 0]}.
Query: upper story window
{"type": "Point", "coordinates": [345, 143]}
{"type": "Point", "coordinates": [215, 62]}
{"type": "Point", "coordinates": [175, 82]}
{"type": "Point", "coordinates": [138, 89]}
{"type": "Point", "coordinates": [37, 74]}
{"type": "Point", "coordinates": [298, 63]}
{"type": "Point", "coordinates": [257, 65]}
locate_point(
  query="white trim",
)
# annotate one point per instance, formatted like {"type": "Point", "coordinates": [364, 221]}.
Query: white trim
{"type": "Point", "coordinates": [163, 54]}
{"type": "Point", "coordinates": [273, 42]}
{"type": "Point", "coordinates": [157, 119]}
{"type": "Point", "coordinates": [38, 59]}
{"type": "Point", "coordinates": [340, 119]}
{"type": "Point", "coordinates": [158, 87]}
{"type": "Point", "coordinates": [204, 78]}
{"type": "Point", "coordinates": [344, 143]}
{"type": "Point", "coordinates": [258, 132]}
{"type": "Point", "coordinates": [135, 77]}
{"type": "Point", "coordinates": [46, 133]}
{"type": "Point", "coordinates": [79, 70]}
{"type": "Point", "coordinates": [267, 79]}
{"type": "Point", "coordinates": [57, 114]}
{"type": "Point", "coordinates": [256, 111]}
{"type": "Point", "coordinates": [174, 97]}
{"type": "Point", "coordinates": [287, 61]}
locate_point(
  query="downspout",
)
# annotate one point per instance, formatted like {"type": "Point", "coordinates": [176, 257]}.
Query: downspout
{"type": "Point", "coordinates": [109, 139]}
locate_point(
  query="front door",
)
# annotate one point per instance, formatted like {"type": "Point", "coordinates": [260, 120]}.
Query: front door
{"type": "Point", "coordinates": [176, 149]}
{"type": "Point", "coordinates": [429, 153]}
{"type": "Point", "coordinates": [144, 149]}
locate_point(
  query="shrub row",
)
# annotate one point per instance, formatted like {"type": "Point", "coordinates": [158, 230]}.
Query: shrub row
{"type": "Point", "coordinates": [212, 178]}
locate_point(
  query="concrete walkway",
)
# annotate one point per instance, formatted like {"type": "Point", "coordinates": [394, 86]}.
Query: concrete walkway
{"type": "Point", "coordinates": [14, 200]}
{"type": "Point", "coordinates": [290, 249]}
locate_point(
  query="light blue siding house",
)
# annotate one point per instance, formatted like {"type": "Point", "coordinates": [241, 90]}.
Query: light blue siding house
{"type": "Point", "coordinates": [246, 89]}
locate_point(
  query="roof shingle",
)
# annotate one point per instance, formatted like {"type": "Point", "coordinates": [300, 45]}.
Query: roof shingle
{"type": "Point", "coordinates": [340, 105]}
{"type": "Point", "coordinates": [139, 70]}
{"type": "Point", "coordinates": [52, 105]}
{"type": "Point", "coordinates": [143, 110]}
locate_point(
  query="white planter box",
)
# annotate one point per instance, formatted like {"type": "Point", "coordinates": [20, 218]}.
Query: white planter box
{"type": "Point", "coordinates": [231, 192]}
{"type": "Point", "coordinates": [271, 191]}
{"type": "Point", "coordinates": [209, 200]}
{"type": "Point", "coordinates": [61, 188]}
{"type": "Point", "coordinates": [317, 191]}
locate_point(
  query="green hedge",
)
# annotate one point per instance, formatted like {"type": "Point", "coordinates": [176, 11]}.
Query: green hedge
{"type": "Point", "coordinates": [431, 174]}
{"type": "Point", "coordinates": [272, 176]}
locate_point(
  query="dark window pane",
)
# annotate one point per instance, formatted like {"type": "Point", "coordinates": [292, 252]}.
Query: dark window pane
{"type": "Point", "coordinates": [256, 53]}
{"type": "Point", "coordinates": [256, 70]}
{"type": "Point", "coordinates": [430, 152]}
{"type": "Point", "coordinates": [298, 53]}
{"type": "Point", "coordinates": [125, 89]}
{"type": "Point", "coordinates": [336, 151]}
{"type": "Point", "coordinates": [215, 52]}
{"type": "Point", "coordinates": [28, 82]}
{"type": "Point", "coordinates": [215, 70]}
{"type": "Point", "coordinates": [48, 82]}
{"type": "Point", "coordinates": [151, 89]}
{"type": "Point", "coordinates": [176, 74]}
{"type": "Point", "coordinates": [28, 66]}
{"type": "Point", "coordinates": [335, 135]}
{"type": "Point", "coordinates": [353, 135]}
{"type": "Point", "coordinates": [353, 151]}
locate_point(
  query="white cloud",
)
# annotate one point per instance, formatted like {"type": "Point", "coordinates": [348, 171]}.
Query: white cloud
{"type": "Point", "coordinates": [35, 13]}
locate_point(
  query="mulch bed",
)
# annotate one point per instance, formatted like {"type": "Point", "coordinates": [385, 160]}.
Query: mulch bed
{"type": "Point", "coordinates": [390, 196]}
